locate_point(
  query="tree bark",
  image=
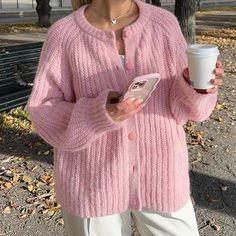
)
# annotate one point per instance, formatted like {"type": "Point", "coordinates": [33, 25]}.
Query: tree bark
{"type": "Point", "coordinates": [198, 5]}
{"type": "Point", "coordinates": [156, 3]}
{"type": "Point", "coordinates": [185, 12]}
{"type": "Point", "coordinates": [44, 10]}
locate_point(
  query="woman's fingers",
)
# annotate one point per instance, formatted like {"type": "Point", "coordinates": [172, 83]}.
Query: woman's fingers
{"type": "Point", "coordinates": [186, 73]}
{"type": "Point", "coordinates": [130, 105]}
{"type": "Point", "coordinates": [219, 71]}
{"type": "Point", "coordinates": [134, 111]}
{"type": "Point", "coordinates": [218, 82]}
{"type": "Point", "coordinates": [123, 110]}
{"type": "Point", "coordinates": [121, 106]}
{"type": "Point", "coordinates": [213, 90]}
{"type": "Point", "coordinates": [218, 64]}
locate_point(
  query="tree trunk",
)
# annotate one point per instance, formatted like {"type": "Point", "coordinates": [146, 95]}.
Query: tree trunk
{"type": "Point", "coordinates": [185, 12]}
{"type": "Point", "coordinates": [198, 5]}
{"type": "Point", "coordinates": [43, 9]}
{"type": "Point", "coordinates": [156, 3]}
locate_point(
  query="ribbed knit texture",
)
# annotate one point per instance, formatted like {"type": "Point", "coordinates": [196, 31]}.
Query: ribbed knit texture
{"type": "Point", "coordinates": [99, 169]}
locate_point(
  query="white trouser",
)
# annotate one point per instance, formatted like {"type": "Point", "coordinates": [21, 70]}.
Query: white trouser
{"type": "Point", "coordinates": [149, 223]}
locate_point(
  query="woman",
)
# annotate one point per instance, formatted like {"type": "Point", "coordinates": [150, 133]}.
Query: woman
{"type": "Point", "coordinates": [117, 160]}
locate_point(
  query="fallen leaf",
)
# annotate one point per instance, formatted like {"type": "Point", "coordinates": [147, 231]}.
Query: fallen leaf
{"type": "Point", "coordinates": [60, 221]}
{"type": "Point", "coordinates": [34, 168]}
{"type": "Point", "coordinates": [218, 119]}
{"type": "Point", "coordinates": [54, 208]}
{"type": "Point", "coordinates": [45, 195]}
{"type": "Point", "coordinates": [15, 178]}
{"type": "Point", "coordinates": [45, 178]}
{"type": "Point", "coordinates": [7, 210]}
{"type": "Point", "coordinates": [13, 204]}
{"type": "Point", "coordinates": [39, 183]}
{"type": "Point", "coordinates": [45, 211]}
{"type": "Point", "coordinates": [46, 153]}
{"type": "Point", "coordinates": [26, 179]}
{"type": "Point", "coordinates": [212, 199]}
{"type": "Point", "coordinates": [30, 187]}
{"type": "Point", "coordinates": [213, 224]}
{"type": "Point", "coordinates": [7, 185]}
{"type": "Point", "coordinates": [216, 227]}
{"type": "Point", "coordinates": [218, 106]}
{"type": "Point", "coordinates": [224, 188]}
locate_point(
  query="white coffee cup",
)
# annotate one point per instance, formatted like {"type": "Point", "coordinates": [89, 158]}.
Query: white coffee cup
{"type": "Point", "coordinates": [202, 60]}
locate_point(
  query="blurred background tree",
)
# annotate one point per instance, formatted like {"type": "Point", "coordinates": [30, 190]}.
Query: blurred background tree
{"type": "Point", "coordinates": [185, 12]}
{"type": "Point", "coordinates": [43, 9]}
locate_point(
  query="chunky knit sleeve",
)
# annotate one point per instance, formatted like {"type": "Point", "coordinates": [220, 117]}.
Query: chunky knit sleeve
{"type": "Point", "coordinates": [62, 123]}
{"type": "Point", "coordinates": [187, 104]}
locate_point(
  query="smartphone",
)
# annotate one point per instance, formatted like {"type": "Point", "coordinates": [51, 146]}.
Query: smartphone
{"type": "Point", "coordinates": [142, 87]}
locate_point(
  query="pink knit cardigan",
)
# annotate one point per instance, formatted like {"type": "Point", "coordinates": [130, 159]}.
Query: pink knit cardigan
{"type": "Point", "coordinates": [101, 166]}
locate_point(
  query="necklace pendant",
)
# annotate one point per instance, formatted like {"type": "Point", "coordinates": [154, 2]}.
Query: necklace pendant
{"type": "Point", "coordinates": [114, 21]}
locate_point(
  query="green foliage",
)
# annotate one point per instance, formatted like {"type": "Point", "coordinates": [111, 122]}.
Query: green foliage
{"type": "Point", "coordinates": [16, 118]}
{"type": "Point", "coordinates": [20, 113]}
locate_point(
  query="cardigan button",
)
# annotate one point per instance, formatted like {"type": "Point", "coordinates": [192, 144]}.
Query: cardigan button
{"type": "Point", "coordinates": [110, 35]}
{"type": "Point", "coordinates": [127, 33]}
{"type": "Point", "coordinates": [129, 66]}
{"type": "Point", "coordinates": [135, 168]}
{"type": "Point", "coordinates": [132, 136]}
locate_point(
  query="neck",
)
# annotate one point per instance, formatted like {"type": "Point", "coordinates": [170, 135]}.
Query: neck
{"type": "Point", "coordinates": [111, 8]}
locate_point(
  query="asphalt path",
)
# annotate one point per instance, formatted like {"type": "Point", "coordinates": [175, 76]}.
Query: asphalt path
{"type": "Point", "coordinates": [27, 17]}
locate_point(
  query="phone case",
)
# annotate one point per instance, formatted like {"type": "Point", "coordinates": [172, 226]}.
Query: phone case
{"type": "Point", "coordinates": [142, 86]}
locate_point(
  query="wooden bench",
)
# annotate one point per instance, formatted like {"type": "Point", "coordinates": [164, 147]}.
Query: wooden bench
{"type": "Point", "coordinates": [18, 65]}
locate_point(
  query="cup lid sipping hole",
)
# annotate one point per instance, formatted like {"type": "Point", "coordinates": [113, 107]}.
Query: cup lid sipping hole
{"type": "Point", "coordinates": [202, 49]}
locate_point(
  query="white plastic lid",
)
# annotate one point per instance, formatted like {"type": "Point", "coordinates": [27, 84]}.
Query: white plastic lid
{"type": "Point", "coordinates": [202, 49]}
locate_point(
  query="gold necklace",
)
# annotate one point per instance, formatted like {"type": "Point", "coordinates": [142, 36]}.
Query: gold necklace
{"type": "Point", "coordinates": [114, 20]}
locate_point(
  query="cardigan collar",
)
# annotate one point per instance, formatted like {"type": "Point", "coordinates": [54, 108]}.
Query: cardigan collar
{"type": "Point", "coordinates": [132, 29]}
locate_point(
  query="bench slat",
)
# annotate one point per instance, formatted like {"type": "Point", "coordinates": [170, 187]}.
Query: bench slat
{"type": "Point", "coordinates": [18, 66]}
{"type": "Point", "coordinates": [14, 100]}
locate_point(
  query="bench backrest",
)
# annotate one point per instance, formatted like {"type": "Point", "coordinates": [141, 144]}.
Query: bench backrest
{"type": "Point", "coordinates": [18, 65]}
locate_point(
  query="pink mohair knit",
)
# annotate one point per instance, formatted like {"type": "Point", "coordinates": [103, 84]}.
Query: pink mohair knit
{"type": "Point", "coordinates": [101, 166]}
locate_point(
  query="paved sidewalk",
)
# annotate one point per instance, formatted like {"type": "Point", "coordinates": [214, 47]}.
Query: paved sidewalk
{"type": "Point", "coordinates": [211, 144]}
{"type": "Point", "coordinates": [29, 15]}
{"type": "Point", "coordinates": [216, 20]}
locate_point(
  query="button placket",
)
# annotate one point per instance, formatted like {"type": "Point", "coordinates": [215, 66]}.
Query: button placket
{"type": "Point", "coordinates": [133, 150]}
{"type": "Point", "coordinates": [129, 65]}
{"type": "Point", "coordinates": [127, 33]}
{"type": "Point", "coordinates": [132, 136]}
{"type": "Point", "coordinates": [129, 49]}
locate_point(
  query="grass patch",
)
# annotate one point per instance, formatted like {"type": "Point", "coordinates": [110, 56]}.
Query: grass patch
{"type": "Point", "coordinates": [21, 27]}
{"type": "Point", "coordinates": [17, 118]}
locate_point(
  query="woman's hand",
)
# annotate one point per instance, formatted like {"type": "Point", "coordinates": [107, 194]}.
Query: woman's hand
{"type": "Point", "coordinates": [120, 111]}
{"type": "Point", "coordinates": [216, 81]}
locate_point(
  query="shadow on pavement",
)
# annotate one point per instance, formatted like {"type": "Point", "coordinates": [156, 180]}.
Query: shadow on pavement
{"type": "Point", "coordinates": [213, 193]}
{"type": "Point", "coordinates": [209, 192]}
{"type": "Point", "coordinates": [24, 144]}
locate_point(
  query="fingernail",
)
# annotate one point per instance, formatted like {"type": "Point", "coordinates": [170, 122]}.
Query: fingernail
{"type": "Point", "coordinates": [132, 99]}
{"type": "Point", "coordinates": [140, 100]}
